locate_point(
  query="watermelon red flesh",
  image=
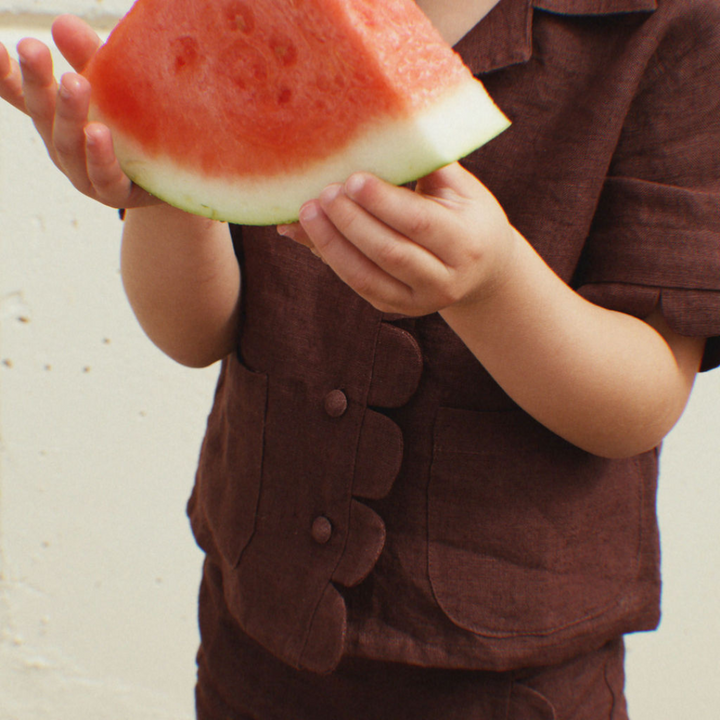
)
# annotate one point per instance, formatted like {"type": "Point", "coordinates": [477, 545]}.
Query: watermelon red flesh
{"type": "Point", "coordinates": [233, 93]}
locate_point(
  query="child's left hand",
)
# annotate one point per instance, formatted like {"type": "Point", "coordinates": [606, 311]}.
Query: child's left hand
{"type": "Point", "coordinates": [414, 253]}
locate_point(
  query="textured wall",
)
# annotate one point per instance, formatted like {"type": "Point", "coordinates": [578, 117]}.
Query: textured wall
{"type": "Point", "coordinates": [99, 437]}
{"type": "Point", "coordinates": [98, 441]}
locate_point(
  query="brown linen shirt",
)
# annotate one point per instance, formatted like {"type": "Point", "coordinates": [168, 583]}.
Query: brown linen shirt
{"type": "Point", "coordinates": [365, 485]}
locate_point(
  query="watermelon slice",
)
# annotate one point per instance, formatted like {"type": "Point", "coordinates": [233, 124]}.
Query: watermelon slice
{"type": "Point", "coordinates": [241, 110]}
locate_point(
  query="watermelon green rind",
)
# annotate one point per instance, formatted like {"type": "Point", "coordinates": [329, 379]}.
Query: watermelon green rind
{"type": "Point", "coordinates": [397, 150]}
{"type": "Point", "coordinates": [242, 110]}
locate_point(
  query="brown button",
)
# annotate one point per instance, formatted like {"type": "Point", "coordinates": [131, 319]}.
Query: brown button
{"type": "Point", "coordinates": [321, 529]}
{"type": "Point", "coordinates": [336, 403]}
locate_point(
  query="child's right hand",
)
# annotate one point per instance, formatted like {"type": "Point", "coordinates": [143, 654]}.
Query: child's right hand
{"type": "Point", "coordinates": [82, 150]}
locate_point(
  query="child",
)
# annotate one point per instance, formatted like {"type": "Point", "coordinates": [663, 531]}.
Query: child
{"type": "Point", "coordinates": [427, 487]}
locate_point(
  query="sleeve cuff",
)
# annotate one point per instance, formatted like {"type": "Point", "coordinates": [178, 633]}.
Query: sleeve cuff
{"type": "Point", "coordinates": [689, 312]}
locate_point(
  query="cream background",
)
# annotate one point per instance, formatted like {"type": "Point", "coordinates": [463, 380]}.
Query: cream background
{"type": "Point", "coordinates": [99, 435]}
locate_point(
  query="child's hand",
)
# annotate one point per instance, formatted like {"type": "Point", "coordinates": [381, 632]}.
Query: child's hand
{"type": "Point", "coordinates": [82, 151]}
{"type": "Point", "coordinates": [414, 253]}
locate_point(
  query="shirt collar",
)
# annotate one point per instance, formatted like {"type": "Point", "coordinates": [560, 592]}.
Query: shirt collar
{"type": "Point", "coordinates": [504, 36]}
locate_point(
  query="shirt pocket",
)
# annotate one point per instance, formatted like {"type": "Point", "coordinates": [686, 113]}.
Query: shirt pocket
{"type": "Point", "coordinates": [225, 498]}
{"type": "Point", "coordinates": [527, 534]}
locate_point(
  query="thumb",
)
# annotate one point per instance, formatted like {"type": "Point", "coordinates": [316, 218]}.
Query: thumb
{"type": "Point", "coordinates": [448, 182]}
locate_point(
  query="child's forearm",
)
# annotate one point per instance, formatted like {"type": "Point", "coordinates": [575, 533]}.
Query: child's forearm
{"type": "Point", "coordinates": [605, 381]}
{"type": "Point", "coordinates": [182, 279]}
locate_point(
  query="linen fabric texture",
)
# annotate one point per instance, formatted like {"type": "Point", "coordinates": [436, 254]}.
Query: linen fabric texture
{"type": "Point", "coordinates": [240, 680]}
{"type": "Point", "coordinates": [365, 489]}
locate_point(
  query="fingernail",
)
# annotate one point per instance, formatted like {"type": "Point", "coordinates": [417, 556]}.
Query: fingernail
{"type": "Point", "coordinates": [63, 90]}
{"type": "Point", "coordinates": [91, 137]}
{"type": "Point", "coordinates": [354, 184]}
{"type": "Point", "coordinates": [330, 193]}
{"type": "Point", "coordinates": [309, 212]}
{"type": "Point", "coordinates": [286, 231]}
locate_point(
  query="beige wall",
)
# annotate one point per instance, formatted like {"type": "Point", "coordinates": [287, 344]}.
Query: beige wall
{"type": "Point", "coordinates": [98, 439]}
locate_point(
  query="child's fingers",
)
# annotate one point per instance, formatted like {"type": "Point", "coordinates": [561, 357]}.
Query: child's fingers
{"type": "Point", "coordinates": [410, 214]}
{"type": "Point", "coordinates": [39, 87]}
{"type": "Point", "coordinates": [449, 183]}
{"type": "Point", "coordinates": [68, 136]}
{"type": "Point", "coordinates": [399, 256]}
{"type": "Point", "coordinates": [349, 263]}
{"type": "Point", "coordinates": [110, 185]}
{"type": "Point", "coordinates": [11, 80]}
{"type": "Point", "coordinates": [109, 182]}
{"type": "Point", "coordinates": [296, 232]}
{"type": "Point", "coordinates": [76, 40]}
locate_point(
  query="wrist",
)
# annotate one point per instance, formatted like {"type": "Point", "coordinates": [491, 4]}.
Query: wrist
{"type": "Point", "coordinates": [507, 267]}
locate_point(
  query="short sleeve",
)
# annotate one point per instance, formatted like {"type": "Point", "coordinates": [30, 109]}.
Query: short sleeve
{"type": "Point", "coordinates": [655, 239]}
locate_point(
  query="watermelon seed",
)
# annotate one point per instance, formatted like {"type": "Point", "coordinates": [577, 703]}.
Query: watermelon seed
{"type": "Point", "coordinates": [259, 72]}
{"type": "Point", "coordinates": [240, 17]}
{"type": "Point", "coordinates": [186, 52]}
{"type": "Point", "coordinates": [284, 96]}
{"type": "Point", "coordinates": [285, 52]}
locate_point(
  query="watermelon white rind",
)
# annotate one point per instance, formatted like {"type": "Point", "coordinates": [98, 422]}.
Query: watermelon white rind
{"type": "Point", "coordinates": [398, 151]}
{"type": "Point", "coordinates": [242, 110]}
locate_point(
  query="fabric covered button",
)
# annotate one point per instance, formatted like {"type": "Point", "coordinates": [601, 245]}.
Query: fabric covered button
{"type": "Point", "coordinates": [321, 530]}
{"type": "Point", "coordinates": [335, 403]}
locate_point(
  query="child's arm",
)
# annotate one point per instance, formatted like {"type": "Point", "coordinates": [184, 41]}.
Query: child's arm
{"type": "Point", "coordinates": [183, 281]}
{"type": "Point", "coordinates": [179, 271]}
{"type": "Point", "coordinates": [607, 382]}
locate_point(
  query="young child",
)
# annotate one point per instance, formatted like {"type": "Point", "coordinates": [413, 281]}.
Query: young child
{"type": "Point", "coordinates": [427, 488]}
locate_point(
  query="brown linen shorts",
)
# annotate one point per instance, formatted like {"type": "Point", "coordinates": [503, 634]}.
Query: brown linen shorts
{"type": "Point", "coordinates": [239, 680]}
